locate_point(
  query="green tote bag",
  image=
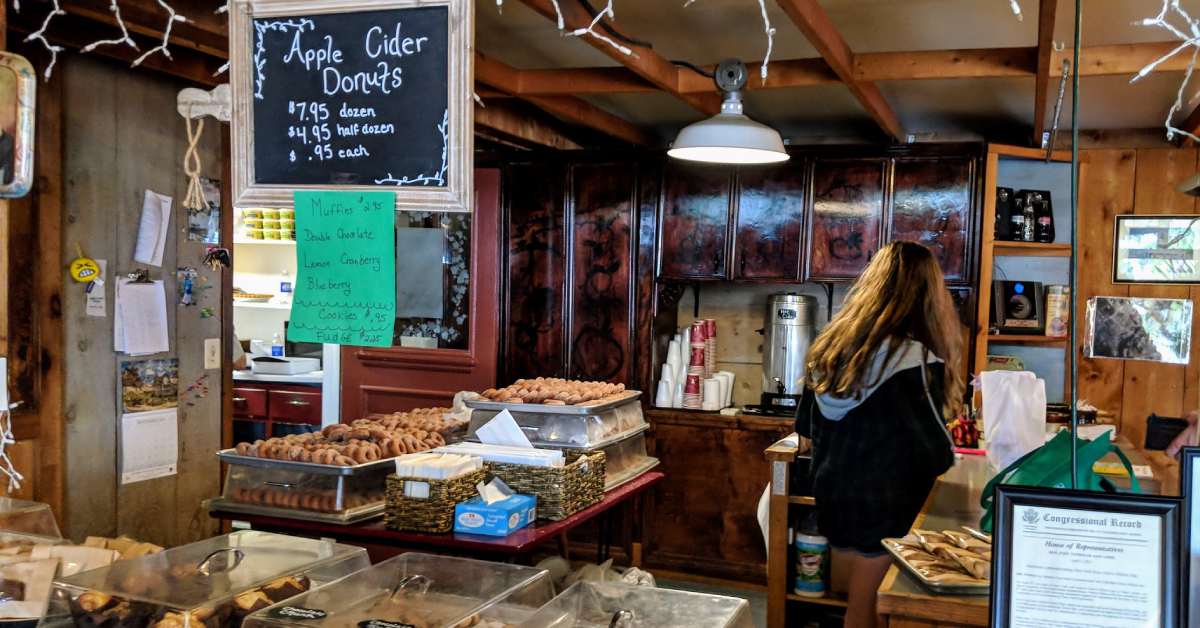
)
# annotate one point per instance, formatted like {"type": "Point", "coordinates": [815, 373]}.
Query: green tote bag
{"type": "Point", "coordinates": [1049, 466]}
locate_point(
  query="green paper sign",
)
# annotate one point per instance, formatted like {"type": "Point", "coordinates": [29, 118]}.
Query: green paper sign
{"type": "Point", "coordinates": [345, 290]}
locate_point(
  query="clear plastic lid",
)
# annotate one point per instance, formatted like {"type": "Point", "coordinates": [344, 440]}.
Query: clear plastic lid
{"type": "Point", "coordinates": [585, 431]}
{"type": "Point", "coordinates": [598, 604]}
{"type": "Point", "coordinates": [208, 573]}
{"type": "Point", "coordinates": [419, 590]}
{"type": "Point", "coordinates": [26, 517]}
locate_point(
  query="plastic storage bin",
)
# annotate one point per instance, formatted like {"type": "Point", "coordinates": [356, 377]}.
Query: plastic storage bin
{"type": "Point", "coordinates": [213, 583]}
{"type": "Point", "coordinates": [418, 590]}
{"type": "Point", "coordinates": [299, 490]}
{"type": "Point", "coordinates": [626, 459]}
{"type": "Point", "coordinates": [565, 426]}
{"type": "Point", "coordinates": [595, 604]}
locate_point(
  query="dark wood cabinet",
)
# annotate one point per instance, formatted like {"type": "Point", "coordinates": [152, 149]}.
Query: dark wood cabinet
{"type": "Point", "coordinates": [770, 222]}
{"type": "Point", "coordinates": [847, 216]}
{"type": "Point", "coordinates": [694, 229]}
{"type": "Point", "coordinates": [932, 204]}
{"type": "Point", "coordinates": [603, 218]}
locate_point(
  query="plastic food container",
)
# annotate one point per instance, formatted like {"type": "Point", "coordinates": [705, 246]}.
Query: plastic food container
{"type": "Point", "coordinates": [270, 214]}
{"type": "Point", "coordinates": [256, 234]}
{"type": "Point", "coordinates": [252, 212]}
{"type": "Point", "coordinates": [418, 590]}
{"type": "Point", "coordinates": [253, 223]}
{"type": "Point", "coordinates": [26, 517]}
{"type": "Point", "coordinates": [582, 428]}
{"type": "Point", "coordinates": [213, 583]}
{"type": "Point", "coordinates": [303, 490]}
{"type": "Point", "coordinates": [597, 604]}
{"type": "Point", "coordinates": [625, 460]}
{"type": "Point", "coordinates": [271, 234]}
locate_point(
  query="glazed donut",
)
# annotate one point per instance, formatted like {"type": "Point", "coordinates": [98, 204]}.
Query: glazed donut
{"type": "Point", "coordinates": [351, 452]}
{"type": "Point", "coordinates": [295, 452]}
{"type": "Point", "coordinates": [305, 455]}
{"type": "Point", "coordinates": [344, 461]}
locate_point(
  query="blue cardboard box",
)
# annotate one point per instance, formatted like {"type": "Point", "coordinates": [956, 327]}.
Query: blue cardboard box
{"type": "Point", "coordinates": [501, 518]}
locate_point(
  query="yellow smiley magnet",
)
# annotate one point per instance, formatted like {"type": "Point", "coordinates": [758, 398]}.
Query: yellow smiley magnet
{"type": "Point", "coordinates": [84, 269]}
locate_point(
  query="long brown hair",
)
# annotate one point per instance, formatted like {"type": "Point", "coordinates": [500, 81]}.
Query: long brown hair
{"type": "Point", "coordinates": [900, 296]}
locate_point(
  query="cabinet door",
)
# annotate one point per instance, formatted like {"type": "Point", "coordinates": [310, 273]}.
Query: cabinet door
{"type": "Point", "coordinates": [770, 219]}
{"type": "Point", "coordinates": [932, 205]}
{"type": "Point", "coordinates": [695, 222]}
{"type": "Point", "coordinates": [847, 217]}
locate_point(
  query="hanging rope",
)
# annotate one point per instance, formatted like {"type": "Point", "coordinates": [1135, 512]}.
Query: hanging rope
{"type": "Point", "coordinates": [195, 198]}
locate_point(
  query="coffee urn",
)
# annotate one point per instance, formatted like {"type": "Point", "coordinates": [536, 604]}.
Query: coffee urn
{"type": "Point", "coordinates": [788, 329]}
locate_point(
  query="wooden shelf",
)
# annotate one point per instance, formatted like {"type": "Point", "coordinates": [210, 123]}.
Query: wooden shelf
{"type": "Point", "coordinates": [1015, 339]}
{"type": "Point", "coordinates": [1032, 249]}
{"type": "Point", "coordinates": [828, 600]}
{"type": "Point", "coordinates": [803, 500]}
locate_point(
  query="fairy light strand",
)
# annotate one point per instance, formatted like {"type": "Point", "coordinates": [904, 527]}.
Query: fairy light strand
{"type": "Point", "coordinates": [124, 39]}
{"type": "Point", "coordinates": [40, 35]}
{"type": "Point", "coordinates": [1016, 9]}
{"type": "Point", "coordinates": [768, 30]}
{"type": "Point", "coordinates": [172, 17]}
{"type": "Point", "coordinates": [1190, 36]}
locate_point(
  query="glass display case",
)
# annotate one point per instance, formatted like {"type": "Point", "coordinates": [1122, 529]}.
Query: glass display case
{"type": "Point", "coordinates": [303, 490]}
{"type": "Point", "coordinates": [605, 604]}
{"type": "Point", "coordinates": [214, 583]}
{"type": "Point", "coordinates": [579, 427]}
{"type": "Point", "coordinates": [418, 590]}
{"type": "Point", "coordinates": [26, 517]}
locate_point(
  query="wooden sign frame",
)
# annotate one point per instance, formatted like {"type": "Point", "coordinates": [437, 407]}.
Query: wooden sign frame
{"type": "Point", "coordinates": [455, 196]}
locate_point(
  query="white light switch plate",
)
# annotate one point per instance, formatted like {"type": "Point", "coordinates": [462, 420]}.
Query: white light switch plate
{"type": "Point", "coordinates": [212, 353]}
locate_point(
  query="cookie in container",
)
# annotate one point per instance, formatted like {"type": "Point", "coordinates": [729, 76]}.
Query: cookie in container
{"type": "Point", "coordinates": [214, 583]}
{"type": "Point", "coordinates": [418, 590]}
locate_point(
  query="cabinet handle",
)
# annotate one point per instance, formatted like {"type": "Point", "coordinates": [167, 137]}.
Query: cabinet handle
{"type": "Point", "coordinates": [239, 400]}
{"type": "Point", "coordinates": [297, 402]}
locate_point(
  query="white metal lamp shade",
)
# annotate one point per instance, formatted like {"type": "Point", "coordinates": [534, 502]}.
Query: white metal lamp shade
{"type": "Point", "coordinates": [729, 138]}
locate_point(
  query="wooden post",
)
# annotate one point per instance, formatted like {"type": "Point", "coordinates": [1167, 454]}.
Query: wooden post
{"type": "Point", "coordinates": [780, 457]}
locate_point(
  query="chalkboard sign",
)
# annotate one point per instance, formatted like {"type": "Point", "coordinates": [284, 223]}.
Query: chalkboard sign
{"type": "Point", "coordinates": [352, 95]}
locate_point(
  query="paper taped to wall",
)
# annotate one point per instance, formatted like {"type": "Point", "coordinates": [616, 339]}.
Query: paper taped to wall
{"type": "Point", "coordinates": [140, 318]}
{"type": "Point", "coordinates": [152, 230]}
{"type": "Point", "coordinates": [149, 445]}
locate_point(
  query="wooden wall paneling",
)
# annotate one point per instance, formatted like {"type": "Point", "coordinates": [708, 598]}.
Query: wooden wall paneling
{"type": "Point", "coordinates": [932, 204]}
{"type": "Point", "coordinates": [645, 288]}
{"type": "Point", "coordinates": [1106, 182]}
{"type": "Point", "coordinates": [770, 222]}
{"type": "Point", "coordinates": [92, 202]}
{"type": "Point", "coordinates": [534, 342]}
{"type": "Point", "coordinates": [1151, 386]}
{"type": "Point", "coordinates": [603, 198]}
{"type": "Point", "coordinates": [695, 221]}
{"type": "Point", "coordinates": [846, 226]}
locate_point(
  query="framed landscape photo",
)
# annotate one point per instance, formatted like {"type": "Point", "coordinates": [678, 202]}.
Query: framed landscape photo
{"type": "Point", "coordinates": [1083, 558]}
{"type": "Point", "coordinates": [1156, 249]}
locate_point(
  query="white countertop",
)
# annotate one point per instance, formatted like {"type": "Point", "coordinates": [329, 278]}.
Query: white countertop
{"type": "Point", "coordinates": [312, 377]}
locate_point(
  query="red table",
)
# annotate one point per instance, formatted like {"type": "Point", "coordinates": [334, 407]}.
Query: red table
{"type": "Point", "coordinates": [373, 533]}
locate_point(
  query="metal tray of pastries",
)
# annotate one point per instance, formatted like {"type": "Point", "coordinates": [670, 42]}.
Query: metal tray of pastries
{"type": "Point", "coordinates": [949, 562]}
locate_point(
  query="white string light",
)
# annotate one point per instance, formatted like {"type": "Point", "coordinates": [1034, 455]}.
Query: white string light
{"type": "Point", "coordinates": [1190, 36]}
{"type": "Point", "coordinates": [172, 17]}
{"type": "Point", "coordinates": [1016, 9]}
{"type": "Point", "coordinates": [40, 35]}
{"type": "Point", "coordinates": [6, 438]}
{"type": "Point", "coordinates": [767, 29]}
{"type": "Point", "coordinates": [124, 39]}
{"type": "Point", "coordinates": [591, 28]}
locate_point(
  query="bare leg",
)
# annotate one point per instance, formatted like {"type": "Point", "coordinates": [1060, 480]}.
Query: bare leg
{"type": "Point", "coordinates": [865, 575]}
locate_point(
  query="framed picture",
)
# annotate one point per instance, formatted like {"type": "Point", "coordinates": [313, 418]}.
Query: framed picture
{"type": "Point", "coordinates": [1156, 249]}
{"type": "Point", "coordinates": [353, 95]}
{"type": "Point", "coordinates": [18, 95]}
{"type": "Point", "coordinates": [1081, 558]}
{"type": "Point", "coordinates": [1189, 480]}
{"type": "Point", "coordinates": [1124, 328]}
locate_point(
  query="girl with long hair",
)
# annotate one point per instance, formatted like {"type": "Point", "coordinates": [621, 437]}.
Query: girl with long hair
{"type": "Point", "coordinates": [882, 377]}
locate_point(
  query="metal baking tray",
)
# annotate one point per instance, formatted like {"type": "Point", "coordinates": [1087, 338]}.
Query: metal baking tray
{"type": "Point", "coordinates": [597, 446]}
{"type": "Point", "coordinates": [231, 456]}
{"type": "Point", "coordinates": [347, 517]}
{"type": "Point", "coordinates": [628, 476]}
{"type": "Point", "coordinates": [947, 589]}
{"type": "Point", "coordinates": [591, 407]}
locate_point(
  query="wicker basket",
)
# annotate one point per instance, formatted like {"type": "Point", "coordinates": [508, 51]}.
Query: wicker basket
{"type": "Point", "coordinates": [434, 514]}
{"type": "Point", "coordinates": [561, 492]}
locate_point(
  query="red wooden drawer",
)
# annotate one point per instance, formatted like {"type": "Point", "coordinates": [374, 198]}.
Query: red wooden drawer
{"type": "Point", "coordinates": [249, 402]}
{"type": "Point", "coordinates": [296, 407]}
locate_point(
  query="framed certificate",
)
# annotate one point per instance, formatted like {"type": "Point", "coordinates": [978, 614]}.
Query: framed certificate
{"type": "Point", "coordinates": [1078, 558]}
{"type": "Point", "coordinates": [1189, 480]}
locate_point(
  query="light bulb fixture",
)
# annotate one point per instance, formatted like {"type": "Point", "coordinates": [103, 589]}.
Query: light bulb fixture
{"type": "Point", "coordinates": [729, 137]}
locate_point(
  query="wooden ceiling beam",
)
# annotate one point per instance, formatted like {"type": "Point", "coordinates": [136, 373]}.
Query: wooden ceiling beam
{"type": "Point", "coordinates": [614, 80]}
{"type": "Point", "coordinates": [644, 62]}
{"type": "Point", "coordinates": [568, 108]}
{"type": "Point", "coordinates": [204, 31]}
{"type": "Point", "coordinates": [1124, 59]}
{"type": "Point", "coordinates": [944, 64]}
{"type": "Point", "coordinates": [503, 121]}
{"type": "Point", "coordinates": [812, 20]}
{"type": "Point", "coordinates": [1045, 54]}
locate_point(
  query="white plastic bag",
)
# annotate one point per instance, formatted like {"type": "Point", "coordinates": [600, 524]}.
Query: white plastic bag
{"type": "Point", "coordinates": [1014, 414]}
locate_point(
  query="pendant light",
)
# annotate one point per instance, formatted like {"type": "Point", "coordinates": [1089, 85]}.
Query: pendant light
{"type": "Point", "coordinates": [729, 137]}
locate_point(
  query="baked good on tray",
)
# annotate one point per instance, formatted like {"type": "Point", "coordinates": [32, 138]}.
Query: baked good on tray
{"type": "Point", "coordinates": [946, 558]}
{"type": "Point", "coordinates": [554, 391]}
{"type": "Point", "coordinates": [362, 441]}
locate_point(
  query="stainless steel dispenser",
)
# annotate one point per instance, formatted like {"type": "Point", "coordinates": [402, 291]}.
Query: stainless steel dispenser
{"type": "Point", "coordinates": [788, 329]}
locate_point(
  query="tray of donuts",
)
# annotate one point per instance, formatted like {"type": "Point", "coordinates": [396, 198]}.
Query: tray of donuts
{"type": "Point", "coordinates": [301, 494]}
{"type": "Point", "coordinates": [552, 395]}
{"type": "Point", "coordinates": [344, 449]}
